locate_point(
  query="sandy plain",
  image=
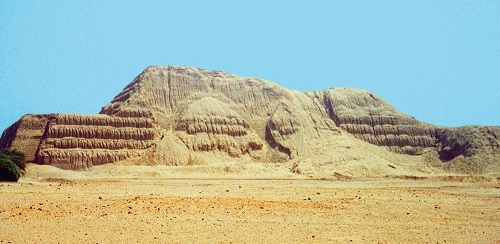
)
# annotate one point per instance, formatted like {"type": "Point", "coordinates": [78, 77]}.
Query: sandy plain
{"type": "Point", "coordinates": [55, 206]}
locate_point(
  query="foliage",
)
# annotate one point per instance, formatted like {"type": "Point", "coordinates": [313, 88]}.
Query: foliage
{"type": "Point", "coordinates": [12, 164]}
{"type": "Point", "coordinates": [16, 156]}
{"type": "Point", "coordinates": [9, 171]}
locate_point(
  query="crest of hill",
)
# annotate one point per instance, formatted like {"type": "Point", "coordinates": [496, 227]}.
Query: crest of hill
{"type": "Point", "coordinates": [177, 115]}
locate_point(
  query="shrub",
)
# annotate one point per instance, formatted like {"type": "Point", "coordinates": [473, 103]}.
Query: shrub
{"type": "Point", "coordinates": [16, 156]}
{"type": "Point", "coordinates": [9, 171]}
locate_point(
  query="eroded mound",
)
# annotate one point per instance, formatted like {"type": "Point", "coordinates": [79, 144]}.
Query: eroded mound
{"type": "Point", "coordinates": [187, 116]}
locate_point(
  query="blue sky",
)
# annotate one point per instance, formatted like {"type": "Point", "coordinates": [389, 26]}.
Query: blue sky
{"type": "Point", "coordinates": [438, 61]}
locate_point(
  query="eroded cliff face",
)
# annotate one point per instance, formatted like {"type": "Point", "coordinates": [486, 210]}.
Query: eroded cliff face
{"type": "Point", "coordinates": [370, 118]}
{"type": "Point", "coordinates": [26, 134]}
{"type": "Point", "coordinates": [179, 115]}
{"type": "Point", "coordinates": [470, 149]}
{"type": "Point", "coordinates": [71, 141]}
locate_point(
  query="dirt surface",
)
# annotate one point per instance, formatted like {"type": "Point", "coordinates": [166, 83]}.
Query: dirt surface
{"type": "Point", "coordinates": [160, 210]}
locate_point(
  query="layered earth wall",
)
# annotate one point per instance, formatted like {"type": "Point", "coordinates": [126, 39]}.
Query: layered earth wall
{"type": "Point", "coordinates": [176, 115]}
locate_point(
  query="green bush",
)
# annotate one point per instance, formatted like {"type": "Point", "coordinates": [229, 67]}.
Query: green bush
{"type": "Point", "coordinates": [16, 156]}
{"type": "Point", "coordinates": [9, 171]}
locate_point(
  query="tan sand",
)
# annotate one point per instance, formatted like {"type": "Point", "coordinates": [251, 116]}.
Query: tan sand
{"type": "Point", "coordinates": [151, 208]}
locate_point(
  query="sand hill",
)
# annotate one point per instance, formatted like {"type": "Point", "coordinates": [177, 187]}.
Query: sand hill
{"type": "Point", "coordinates": [172, 115]}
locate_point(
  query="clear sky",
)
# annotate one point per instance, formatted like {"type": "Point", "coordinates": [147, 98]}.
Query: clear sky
{"type": "Point", "coordinates": [438, 61]}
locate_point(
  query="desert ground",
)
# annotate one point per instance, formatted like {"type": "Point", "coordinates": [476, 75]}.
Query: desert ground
{"type": "Point", "coordinates": [50, 205]}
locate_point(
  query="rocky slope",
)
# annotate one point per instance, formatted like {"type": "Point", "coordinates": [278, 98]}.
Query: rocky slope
{"type": "Point", "coordinates": [183, 116]}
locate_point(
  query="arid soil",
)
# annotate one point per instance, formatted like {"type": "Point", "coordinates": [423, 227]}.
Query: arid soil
{"type": "Point", "coordinates": [163, 210]}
